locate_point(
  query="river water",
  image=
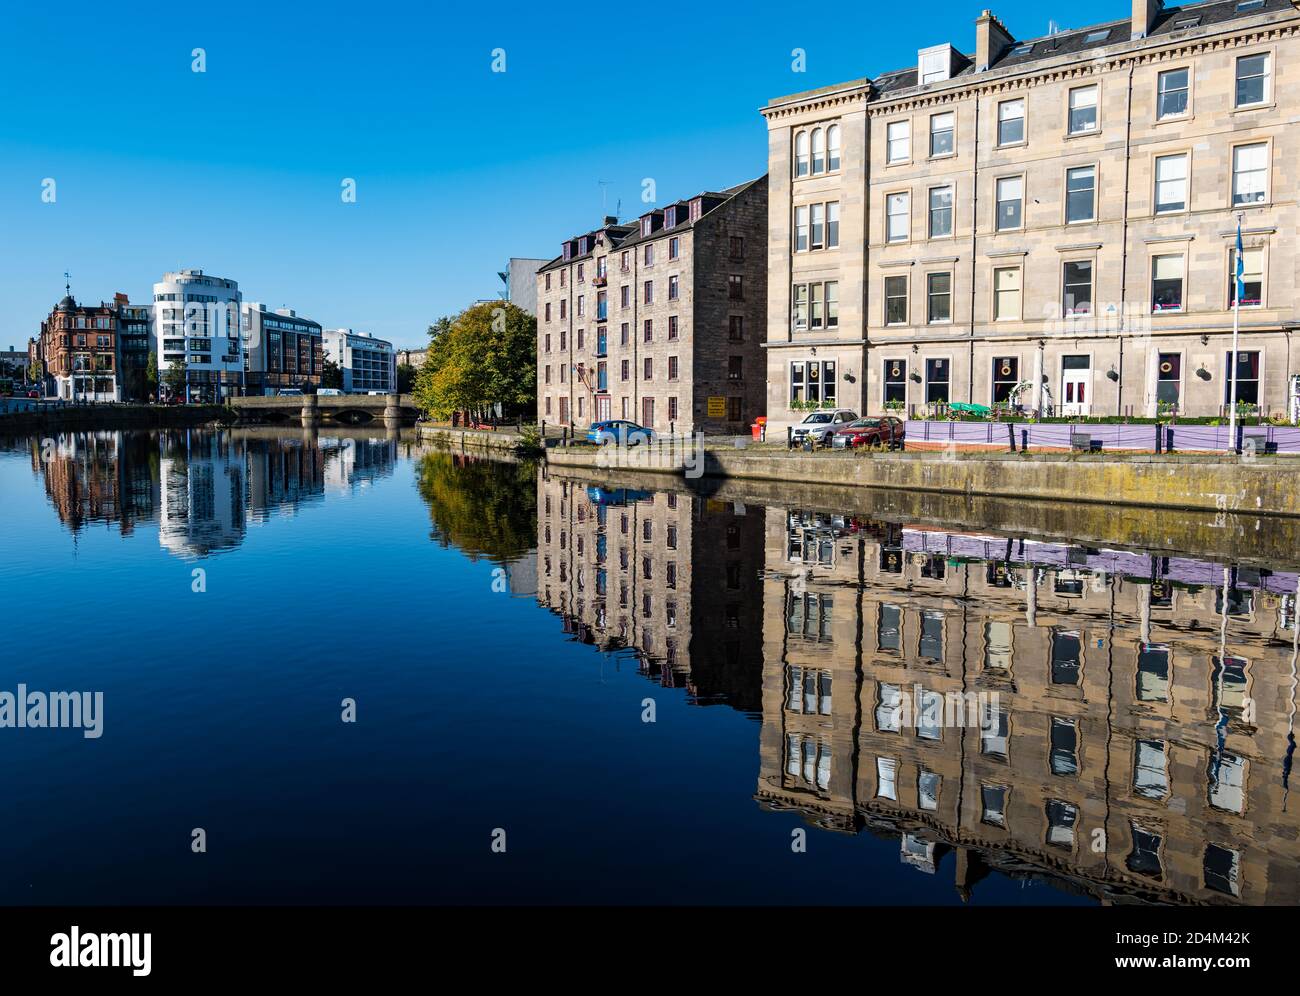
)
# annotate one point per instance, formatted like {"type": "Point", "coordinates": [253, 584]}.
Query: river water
{"type": "Point", "coordinates": [335, 667]}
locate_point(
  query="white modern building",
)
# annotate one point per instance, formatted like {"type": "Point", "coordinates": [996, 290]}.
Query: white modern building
{"type": "Point", "coordinates": [368, 364]}
{"type": "Point", "coordinates": [197, 321]}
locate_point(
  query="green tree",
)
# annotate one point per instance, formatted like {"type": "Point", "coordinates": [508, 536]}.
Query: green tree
{"type": "Point", "coordinates": [405, 378]}
{"type": "Point", "coordinates": [175, 376]}
{"type": "Point", "coordinates": [331, 375]}
{"type": "Point", "coordinates": [34, 372]}
{"type": "Point", "coordinates": [485, 356]}
{"type": "Point", "coordinates": [151, 376]}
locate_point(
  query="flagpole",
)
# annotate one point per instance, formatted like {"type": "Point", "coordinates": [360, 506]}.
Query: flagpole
{"type": "Point", "coordinates": [1237, 271]}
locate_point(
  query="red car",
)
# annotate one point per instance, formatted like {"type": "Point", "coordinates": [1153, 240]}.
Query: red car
{"type": "Point", "coordinates": [884, 431]}
{"type": "Point", "coordinates": [34, 394]}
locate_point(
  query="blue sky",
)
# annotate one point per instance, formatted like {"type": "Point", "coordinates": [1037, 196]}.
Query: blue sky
{"type": "Point", "coordinates": [238, 169]}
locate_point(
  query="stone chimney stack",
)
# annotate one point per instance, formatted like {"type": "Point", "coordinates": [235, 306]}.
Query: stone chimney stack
{"type": "Point", "coordinates": [991, 40]}
{"type": "Point", "coordinates": [1144, 12]}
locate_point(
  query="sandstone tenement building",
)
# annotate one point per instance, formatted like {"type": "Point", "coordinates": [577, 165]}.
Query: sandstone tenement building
{"type": "Point", "coordinates": [659, 320]}
{"type": "Point", "coordinates": [1050, 220]}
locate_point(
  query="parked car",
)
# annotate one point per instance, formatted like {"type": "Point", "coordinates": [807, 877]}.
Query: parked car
{"type": "Point", "coordinates": [329, 392]}
{"type": "Point", "coordinates": [885, 431]}
{"type": "Point", "coordinates": [34, 394]}
{"type": "Point", "coordinates": [819, 425]}
{"type": "Point", "coordinates": [289, 392]}
{"type": "Point", "coordinates": [620, 432]}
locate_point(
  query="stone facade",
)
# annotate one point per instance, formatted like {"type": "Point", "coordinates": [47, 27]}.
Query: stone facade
{"type": "Point", "coordinates": [659, 321]}
{"type": "Point", "coordinates": [1003, 235]}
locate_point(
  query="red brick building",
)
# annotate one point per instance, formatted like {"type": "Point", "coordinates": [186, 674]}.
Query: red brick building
{"type": "Point", "coordinates": [78, 347]}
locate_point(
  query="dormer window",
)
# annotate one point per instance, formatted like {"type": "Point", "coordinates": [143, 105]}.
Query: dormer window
{"type": "Point", "coordinates": [647, 224]}
{"type": "Point", "coordinates": [697, 208]}
{"type": "Point", "coordinates": [670, 217]}
{"type": "Point", "coordinates": [567, 250]}
{"type": "Point", "coordinates": [583, 244]}
{"type": "Point", "coordinates": [934, 64]}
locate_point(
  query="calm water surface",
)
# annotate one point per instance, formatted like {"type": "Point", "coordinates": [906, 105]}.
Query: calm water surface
{"type": "Point", "coordinates": [504, 633]}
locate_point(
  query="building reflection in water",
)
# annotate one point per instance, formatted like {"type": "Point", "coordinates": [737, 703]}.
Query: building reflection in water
{"type": "Point", "coordinates": [672, 575]}
{"type": "Point", "coordinates": [203, 486]}
{"type": "Point", "coordinates": [1140, 710]}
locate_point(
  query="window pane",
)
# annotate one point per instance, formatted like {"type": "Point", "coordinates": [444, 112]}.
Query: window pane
{"type": "Point", "coordinates": [1078, 288]}
{"type": "Point", "coordinates": [1171, 183]}
{"type": "Point", "coordinates": [1083, 109]}
{"type": "Point", "coordinates": [1080, 186]}
{"type": "Point", "coordinates": [1006, 293]}
{"type": "Point", "coordinates": [941, 138]}
{"type": "Point", "coordinates": [939, 288]}
{"type": "Point", "coordinates": [899, 136]}
{"type": "Point", "coordinates": [1252, 278]}
{"type": "Point", "coordinates": [898, 210]}
{"type": "Point", "coordinates": [1249, 174]}
{"type": "Point", "coordinates": [1172, 94]}
{"type": "Point", "coordinates": [1011, 122]}
{"type": "Point", "coordinates": [1252, 79]}
{"type": "Point", "coordinates": [1010, 197]}
{"type": "Point", "coordinates": [1167, 283]}
{"type": "Point", "coordinates": [940, 212]}
{"type": "Point", "coordinates": [895, 300]}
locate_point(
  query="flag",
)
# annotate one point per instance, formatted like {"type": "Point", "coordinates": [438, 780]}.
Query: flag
{"type": "Point", "coordinates": [1241, 266]}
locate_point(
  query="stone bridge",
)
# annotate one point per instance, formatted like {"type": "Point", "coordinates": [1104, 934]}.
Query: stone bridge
{"type": "Point", "coordinates": [310, 409]}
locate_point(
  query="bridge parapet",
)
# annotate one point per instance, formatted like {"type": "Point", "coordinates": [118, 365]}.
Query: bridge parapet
{"type": "Point", "coordinates": [313, 408]}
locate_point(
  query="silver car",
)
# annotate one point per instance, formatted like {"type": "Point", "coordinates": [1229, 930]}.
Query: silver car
{"type": "Point", "coordinates": [820, 424]}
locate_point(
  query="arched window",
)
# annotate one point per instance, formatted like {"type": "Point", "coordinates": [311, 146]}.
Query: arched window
{"type": "Point", "coordinates": [833, 147]}
{"type": "Point", "coordinates": [818, 151]}
{"type": "Point", "coordinates": [801, 153]}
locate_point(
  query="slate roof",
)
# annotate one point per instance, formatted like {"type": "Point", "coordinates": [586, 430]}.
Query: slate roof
{"type": "Point", "coordinates": [628, 233]}
{"type": "Point", "coordinates": [1169, 23]}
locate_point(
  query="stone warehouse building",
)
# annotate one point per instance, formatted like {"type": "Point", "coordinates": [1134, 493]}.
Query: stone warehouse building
{"type": "Point", "coordinates": [659, 320]}
{"type": "Point", "coordinates": [1051, 220]}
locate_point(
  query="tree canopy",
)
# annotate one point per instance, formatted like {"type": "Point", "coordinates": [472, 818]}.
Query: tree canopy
{"type": "Point", "coordinates": [486, 355]}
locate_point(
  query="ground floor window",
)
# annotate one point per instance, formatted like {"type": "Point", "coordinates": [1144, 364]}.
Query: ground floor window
{"type": "Point", "coordinates": [813, 381]}
{"type": "Point", "coordinates": [1006, 375]}
{"type": "Point", "coordinates": [648, 411]}
{"type": "Point", "coordinates": [733, 409]}
{"type": "Point", "coordinates": [1247, 377]}
{"type": "Point", "coordinates": [672, 409]}
{"type": "Point", "coordinates": [937, 374]}
{"type": "Point", "coordinates": [1169, 379]}
{"type": "Point", "coordinates": [895, 382]}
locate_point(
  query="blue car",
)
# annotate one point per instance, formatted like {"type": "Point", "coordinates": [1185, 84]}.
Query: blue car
{"type": "Point", "coordinates": [619, 432]}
